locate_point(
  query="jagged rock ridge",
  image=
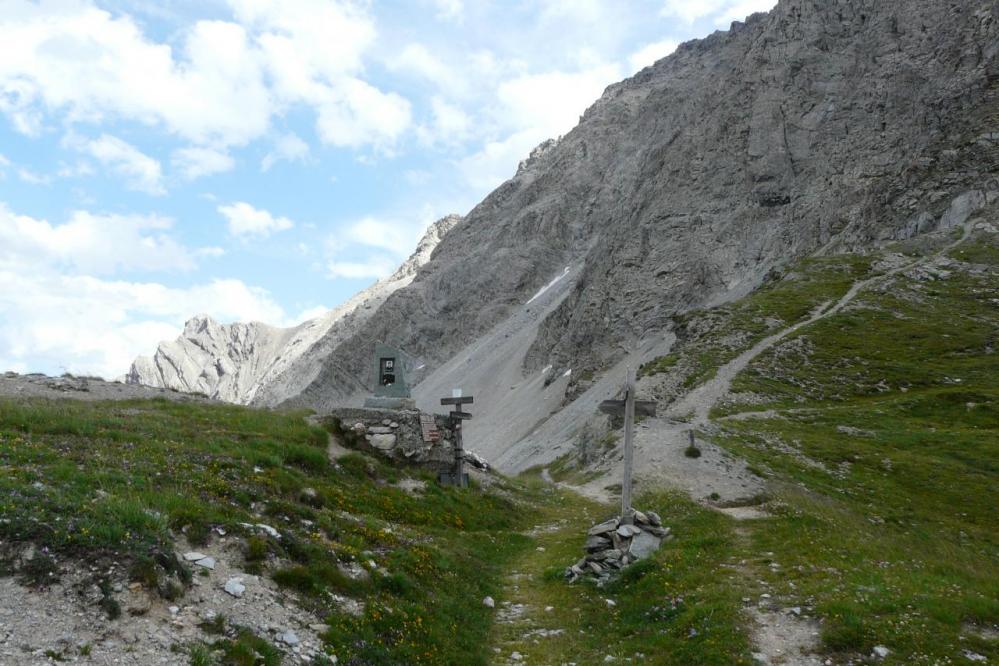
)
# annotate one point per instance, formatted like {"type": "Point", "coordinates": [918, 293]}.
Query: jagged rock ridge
{"type": "Point", "coordinates": [254, 362]}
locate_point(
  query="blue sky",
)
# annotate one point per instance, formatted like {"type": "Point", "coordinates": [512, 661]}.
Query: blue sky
{"type": "Point", "coordinates": [264, 160]}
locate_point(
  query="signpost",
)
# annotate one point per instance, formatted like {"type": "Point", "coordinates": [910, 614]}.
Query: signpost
{"type": "Point", "coordinates": [628, 407]}
{"type": "Point", "coordinates": [457, 475]}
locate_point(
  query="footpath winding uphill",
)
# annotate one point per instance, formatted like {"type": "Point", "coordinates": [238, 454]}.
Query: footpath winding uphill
{"type": "Point", "coordinates": [542, 620]}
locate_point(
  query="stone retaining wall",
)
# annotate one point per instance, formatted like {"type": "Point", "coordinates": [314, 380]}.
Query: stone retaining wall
{"type": "Point", "coordinates": [394, 434]}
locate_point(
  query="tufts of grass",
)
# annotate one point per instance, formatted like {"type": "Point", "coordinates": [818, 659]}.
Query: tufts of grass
{"type": "Point", "coordinates": [885, 453]}
{"type": "Point", "coordinates": [123, 481]}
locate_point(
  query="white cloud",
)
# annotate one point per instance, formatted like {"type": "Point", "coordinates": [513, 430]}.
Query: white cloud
{"type": "Point", "coordinates": [356, 113]}
{"type": "Point", "coordinates": [55, 313]}
{"type": "Point", "coordinates": [450, 125]}
{"type": "Point", "coordinates": [375, 267]}
{"type": "Point", "coordinates": [72, 57]}
{"type": "Point", "coordinates": [92, 326]}
{"type": "Point", "coordinates": [289, 148]}
{"type": "Point", "coordinates": [651, 53]}
{"type": "Point", "coordinates": [417, 177]}
{"type": "Point", "coordinates": [91, 243]}
{"type": "Point", "coordinates": [138, 170]}
{"type": "Point", "coordinates": [195, 162]}
{"type": "Point", "coordinates": [552, 102]}
{"type": "Point", "coordinates": [245, 221]}
{"type": "Point", "coordinates": [397, 236]}
{"type": "Point", "coordinates": [497, 160]}
{"type": "Point", "coordinates": [722, 11]}
{"type": "Point", "coordinates": [32, 178]}
{"type": "Point", "coordinates": [417, 60]}
{"type": "Point", "coordinates": [583, 11]}
{"type": "Point", "coordinates": [313, 50]}
{"type": "Point", "coordinates": [739, 11]}
{"type": "Point", "coordinates": [533, 108]}
{"type": "Point", "coordinates": [451, 10]}
{"type": "Point", "coordinates": [219, 86]}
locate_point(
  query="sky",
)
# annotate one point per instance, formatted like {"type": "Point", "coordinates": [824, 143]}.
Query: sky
{"type": "Point", "coordinates": [258, 160]}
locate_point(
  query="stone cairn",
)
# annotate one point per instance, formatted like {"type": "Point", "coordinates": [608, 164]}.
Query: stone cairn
{"type": "Point", "coordinates": [616, 543]}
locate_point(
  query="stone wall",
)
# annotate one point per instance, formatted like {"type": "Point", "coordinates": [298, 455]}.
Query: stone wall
{"type": "Point", "coordinates": [393, 434]}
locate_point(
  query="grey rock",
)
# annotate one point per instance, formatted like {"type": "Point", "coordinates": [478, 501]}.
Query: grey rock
{"type": "Point", "coordinates": [289, 638]}
{"type": "Point", "coordinates": [643, 545]}
{"type": "Point", "coordinates": [489, 602]}
{"type": "Point", "coordinates": [654, 518]}
{"type": "Point", "coordinates": [686, 184]}
{"type": "Point", "coordinates": [194, 556]}
{"type": "Point", "coordinates": [206, 562]}
{"type": "Point", "coordinates": [962, 208]}
{"type": "Point", "coordinates": [235, 587]}
{"type": "Point", "coordinates": [628, 531]}
{"type": "Point", "coordinates": [595, 543]}
{"type": "Point", "coordinates": [383, 442]}
{"type": "Point", "coordinates": [380, 430]}
{"type": "Point", "coordinates": [603, 528]}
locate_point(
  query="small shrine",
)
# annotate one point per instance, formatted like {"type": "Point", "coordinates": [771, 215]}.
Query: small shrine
{"type": "Point", "coordinates": [390, 388]}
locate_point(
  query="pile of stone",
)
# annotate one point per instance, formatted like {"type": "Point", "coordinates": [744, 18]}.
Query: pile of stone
{"type": "Point", "coordinates": [616, 543]}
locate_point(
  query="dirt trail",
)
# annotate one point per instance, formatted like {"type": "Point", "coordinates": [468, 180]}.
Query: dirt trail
{"type": "Point", "coordinates": [702, 399]}
{"type": "Point", "coordinates": [716, 478]}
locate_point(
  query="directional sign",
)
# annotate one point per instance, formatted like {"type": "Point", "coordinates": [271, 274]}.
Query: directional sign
{"type": "Point", "coordinates": [457, 401]}
{"type": "Point", "coordinates": [460, 415]}
{"type": "Point", "coordinates": [642, 407]}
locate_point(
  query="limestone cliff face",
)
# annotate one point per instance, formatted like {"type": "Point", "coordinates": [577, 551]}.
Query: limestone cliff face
{"type": "Point", "coordinates": [825, 125]}
{"type": "Point", "coordinates": [261, 364]}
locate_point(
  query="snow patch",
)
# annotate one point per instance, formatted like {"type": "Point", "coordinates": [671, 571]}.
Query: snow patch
{"type": "Point", "coordinates": [548, 286]}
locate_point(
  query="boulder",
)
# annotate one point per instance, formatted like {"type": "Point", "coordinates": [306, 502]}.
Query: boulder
{"type": "Point", "coordinates": [383, 442]}
{"type": "Point", "coordinates": [643, 545]}
{"type": "Point", "coordinates": [628, 531]}
{"type": "Point", "coordinates": [595, 543]}
{"type": "Point", "coordinates": [604, 528]}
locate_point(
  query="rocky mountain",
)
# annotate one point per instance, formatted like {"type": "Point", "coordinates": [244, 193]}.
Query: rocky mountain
{"type": "Point", "coordinates": [820, 127]}
{"type": "Point", "coordinates": [243, 363]}
{"type": "Point", "coordinates": [816, 128]}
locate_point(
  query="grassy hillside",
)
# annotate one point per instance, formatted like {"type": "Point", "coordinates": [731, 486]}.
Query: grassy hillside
{"type": "Point", "coordinates": [878, 429]}
{"type": "Point", "coordinates": [885, 432]}
{"type": "Point", "coordinates": [120, 482]}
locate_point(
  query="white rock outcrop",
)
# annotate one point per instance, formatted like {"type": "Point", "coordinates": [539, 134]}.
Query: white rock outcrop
{"type": "Point", "coordinates": [255, 363]}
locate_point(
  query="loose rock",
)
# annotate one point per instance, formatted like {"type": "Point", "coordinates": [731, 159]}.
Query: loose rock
{"type": "Point", "coordinates": [235, 587]}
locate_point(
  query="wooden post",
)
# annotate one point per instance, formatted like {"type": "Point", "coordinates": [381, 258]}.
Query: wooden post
{"type": "Point", "coordinates": [458, 417]}
{"type": "Point", "coordinates": [629, 426]}
{"type": "Point", "coordinates": [459, 454]}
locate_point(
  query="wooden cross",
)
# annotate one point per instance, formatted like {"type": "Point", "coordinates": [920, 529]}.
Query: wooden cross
{"type": "Point", "coordinates": [628, 407]}
{"type": "Point", "coordinates": [457, 416]}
